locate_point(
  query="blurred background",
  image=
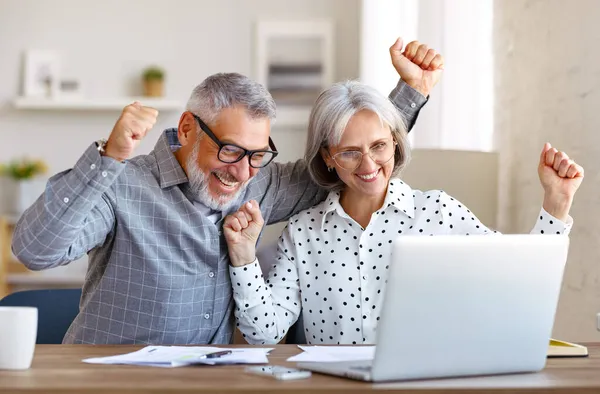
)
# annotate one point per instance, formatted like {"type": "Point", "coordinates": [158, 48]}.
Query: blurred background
{"type": "Point", "coordinates": [518, 73]}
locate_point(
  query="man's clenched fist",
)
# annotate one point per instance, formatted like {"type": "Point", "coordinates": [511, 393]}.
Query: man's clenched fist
{"type": "Point", "coordinates": [419, 66]}
{"type": "Point", "coordinates": [131, 127]}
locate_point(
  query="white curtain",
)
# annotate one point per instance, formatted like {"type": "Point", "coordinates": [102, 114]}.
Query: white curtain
{"type": "Point", "coordinates": [459, 114]}
{"type": "Point", "coordinates": [382, 21]}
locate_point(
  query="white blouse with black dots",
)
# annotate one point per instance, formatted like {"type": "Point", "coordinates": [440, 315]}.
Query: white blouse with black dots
{"type": "Point", "coordinates": [336, 271]}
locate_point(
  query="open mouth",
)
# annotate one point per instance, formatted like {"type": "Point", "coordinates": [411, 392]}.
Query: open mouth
{"type": "Point", "coordinates": [227, 184]}
{"type": "Point", "coordinates": [369, 177]}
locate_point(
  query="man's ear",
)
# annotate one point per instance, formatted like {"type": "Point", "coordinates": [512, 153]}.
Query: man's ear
{"type": "Point", "coordinates": [186, 130]}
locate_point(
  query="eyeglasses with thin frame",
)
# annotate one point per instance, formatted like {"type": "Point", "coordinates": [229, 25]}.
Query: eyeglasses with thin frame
{"type": "Point", "coordinates": [231, 153]}
{"type": "Point", "coordinates": [380, 153]}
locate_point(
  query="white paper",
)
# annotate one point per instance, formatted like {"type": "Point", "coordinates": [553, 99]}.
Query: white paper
{"type": "Point", "coordinates": [180, 356]}
{"type": "Point", "coordinates": [334, 353]}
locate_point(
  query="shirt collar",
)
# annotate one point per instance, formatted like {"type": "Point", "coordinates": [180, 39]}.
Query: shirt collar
{"type": "Point", "coordinates": [170, 171]}
{"type": "Point", "coordinates": [399, 196]}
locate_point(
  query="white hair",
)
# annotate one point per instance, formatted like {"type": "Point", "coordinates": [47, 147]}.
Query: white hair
{"type": "Point", "coordinates": [226, 90]}
{"type": "Point", "coordinates": [329, 117]}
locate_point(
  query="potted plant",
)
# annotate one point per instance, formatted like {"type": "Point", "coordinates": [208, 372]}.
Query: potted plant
{"type": "Point", "coordinates": [153, 78]}
{"type": "Point", "coordinates": [24, 181]}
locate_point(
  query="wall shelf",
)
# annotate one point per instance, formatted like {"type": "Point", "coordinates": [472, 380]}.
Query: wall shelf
{"type": "Point", "coordinates": [287, 115]}
{"type": "Point", "coordinates": [101, 104]}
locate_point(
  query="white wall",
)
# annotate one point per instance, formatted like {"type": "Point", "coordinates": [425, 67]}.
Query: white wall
{"type": "Point", "coordinates": [547, 70]}
{"type": "Point", "coordinates": [381, 22]}
{"type": "Point", "coordinates": [106, 45]}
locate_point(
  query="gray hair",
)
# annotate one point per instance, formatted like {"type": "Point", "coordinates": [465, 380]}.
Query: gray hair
{"type": "Point", "coordinates": [226, 90]}
{"type": "Point", "coordinates": [330, 116]}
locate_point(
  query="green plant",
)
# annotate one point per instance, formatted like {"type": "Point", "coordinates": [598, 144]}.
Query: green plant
{"type": "Point", "coordinates": [153, 74]}
{"type": "Point", "coordinates": [23, 169]}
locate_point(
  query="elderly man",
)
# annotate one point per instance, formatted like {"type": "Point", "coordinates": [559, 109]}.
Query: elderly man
{"type": "Point", "coordinates": [151, 224]}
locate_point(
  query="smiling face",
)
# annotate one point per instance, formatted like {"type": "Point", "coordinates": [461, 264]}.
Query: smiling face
{"type": "Point", "coordinates": [218, 184]}
{"type": "Point", "coordinates": [365, 132]}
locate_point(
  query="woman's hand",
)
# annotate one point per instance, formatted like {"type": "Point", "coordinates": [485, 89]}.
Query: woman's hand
{"type": "Point", "coordinates": [560, 177]}
{"type": "Point", "coordinates": [242, 229]}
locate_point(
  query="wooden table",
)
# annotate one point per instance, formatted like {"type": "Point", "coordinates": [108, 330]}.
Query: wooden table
{"type": "Point", "coordinates": [58, 369]}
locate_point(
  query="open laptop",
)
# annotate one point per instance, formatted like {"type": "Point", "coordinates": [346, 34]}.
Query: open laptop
{"type": "Point", "coordinates": [463, 306]}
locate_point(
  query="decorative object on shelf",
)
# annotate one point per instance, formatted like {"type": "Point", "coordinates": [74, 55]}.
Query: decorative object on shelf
{"type": "Point", "coordinates": [24, 183]}
{"type": "Point", "coordinates": [294, 60]}
{"type": "Point", "coordinates": [153, 78]}
{"type": "Point", "coordinates": [70, 88]}
{"type": "Point", "coordinates": [65, 94]}
{"type": "Point", "coordinates": [41, 73]}
{"type": "Point", "coordinates": [23, 169]}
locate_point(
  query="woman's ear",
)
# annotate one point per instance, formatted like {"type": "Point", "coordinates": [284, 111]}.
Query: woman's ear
{"type": "Point", "coordinates": [327, 158]}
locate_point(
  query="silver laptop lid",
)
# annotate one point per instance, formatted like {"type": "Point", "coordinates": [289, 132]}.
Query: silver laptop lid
{"type": "Point", "coordinates": [468, 305]}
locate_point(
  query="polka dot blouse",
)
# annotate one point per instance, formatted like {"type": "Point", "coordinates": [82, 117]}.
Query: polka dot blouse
{"type": "Point", "coordinates": [335, 270]}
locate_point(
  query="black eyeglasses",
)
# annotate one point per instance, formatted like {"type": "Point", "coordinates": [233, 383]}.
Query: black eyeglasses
{"type": "Point", "coordinates": [231, 153]}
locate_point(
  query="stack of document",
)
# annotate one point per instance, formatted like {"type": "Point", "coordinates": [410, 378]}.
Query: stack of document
{"type": "Point", "coordinates": [334, 353]}
{"type": "Point", "coordinates": [180, 356]}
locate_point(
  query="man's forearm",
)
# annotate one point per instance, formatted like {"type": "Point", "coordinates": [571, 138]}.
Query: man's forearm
{"type": "Point", "coordinates": [409, 101]}
{"type": "Point", "coordinates": [71, 216]}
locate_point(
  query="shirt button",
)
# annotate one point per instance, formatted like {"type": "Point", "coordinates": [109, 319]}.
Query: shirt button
{"type": "Point", "coordinates": [66, 200]}
{"type": "Point", "coordinates": [104, 174]}
{"type": "Point", "coordinates": [413, 105]}
{"type": "Point", "coordinates": [93, 167]}
{"type": "Point", "coordinates": [211, 274]}
{"type": "Point", "coordinates": [207, 316]}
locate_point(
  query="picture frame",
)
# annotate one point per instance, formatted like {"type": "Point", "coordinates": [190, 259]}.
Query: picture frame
{"type": "Point", "coordinates": [294, 60]}
{"type": "Point", "coordinates": [41, 73]}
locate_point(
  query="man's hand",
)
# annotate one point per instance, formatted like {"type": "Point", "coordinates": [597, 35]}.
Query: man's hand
{"type": "Point", "coordinates": [419, 66]}
{"type": "Point", "coordinates": [241, 230]}
{"type": "Point", "coordinates": [131, 127]}
{"type": "Point", "coordinates": [560, 177]}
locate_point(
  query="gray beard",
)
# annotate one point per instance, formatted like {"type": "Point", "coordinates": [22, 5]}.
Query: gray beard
{"type": "Point", "coordinates": [199, 185]}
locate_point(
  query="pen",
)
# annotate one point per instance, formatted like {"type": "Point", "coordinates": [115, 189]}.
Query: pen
{"type": "Point", "coordinates": [216, 354]}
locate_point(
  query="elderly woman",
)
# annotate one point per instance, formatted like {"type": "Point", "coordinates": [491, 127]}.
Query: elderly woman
{"type": "Point", "coordinates": [333, 259]}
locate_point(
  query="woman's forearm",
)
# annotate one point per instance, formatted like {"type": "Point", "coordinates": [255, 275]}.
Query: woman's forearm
{"type": "Point", "coordinates": [557, 205]}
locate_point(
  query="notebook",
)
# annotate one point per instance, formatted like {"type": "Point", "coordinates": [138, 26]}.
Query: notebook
{"type": "Point", "coordinates": [566, 349]}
